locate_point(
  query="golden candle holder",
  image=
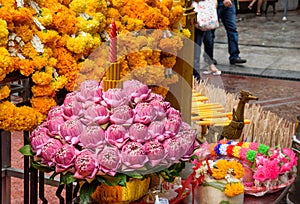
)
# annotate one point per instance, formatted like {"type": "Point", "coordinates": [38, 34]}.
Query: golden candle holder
{"type": "Point", "coordinates": [112, 76]}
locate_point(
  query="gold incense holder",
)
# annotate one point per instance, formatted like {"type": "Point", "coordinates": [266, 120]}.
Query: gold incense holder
{"type": "Point", "coordinates": [112, 77]}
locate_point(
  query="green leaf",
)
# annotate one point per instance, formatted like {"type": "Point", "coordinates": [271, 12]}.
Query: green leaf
{"type": "Point", "coordinates": [122, 179]}
{"type": "Point", "coordinates": [40, 166]}
{"type": "Point", "coordinates": [67, 178]}
{"type": "Point", "coordinates": [217, 185]}
{"type": "Point", "coordinates": [26, 150]}
{"type": "Point", "coordinates": [136, 175]}
{"type": "Point", "coordinates": [86, 191]}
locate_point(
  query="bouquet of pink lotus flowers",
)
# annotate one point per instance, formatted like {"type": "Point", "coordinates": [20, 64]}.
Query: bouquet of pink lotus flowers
{"type": "Point", "coordinates": [120, 133]}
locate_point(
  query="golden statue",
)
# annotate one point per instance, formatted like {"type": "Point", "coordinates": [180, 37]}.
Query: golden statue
{"type": "Point", "coordinates": [235, 127]}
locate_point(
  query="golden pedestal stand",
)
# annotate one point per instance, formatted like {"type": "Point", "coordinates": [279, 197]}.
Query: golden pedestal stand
{"type": "Point", "coordinates": [112, 77]}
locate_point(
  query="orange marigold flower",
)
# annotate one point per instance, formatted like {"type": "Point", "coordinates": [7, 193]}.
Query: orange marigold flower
{"type": "Point", "coordinates": [42, 77]}
{"type": "Point", "coordinates": [4, 92]}
{"type": "Point", "coordinates": [233, 189]}
{"type": "Point", "coordinates": [42, 104]}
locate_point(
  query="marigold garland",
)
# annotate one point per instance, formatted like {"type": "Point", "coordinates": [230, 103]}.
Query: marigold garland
{"type": "Point", "coordinates": [4, 92]}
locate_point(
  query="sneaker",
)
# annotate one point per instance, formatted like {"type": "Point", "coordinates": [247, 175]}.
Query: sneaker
{"type": "Point", "coordinates": [238, 61]}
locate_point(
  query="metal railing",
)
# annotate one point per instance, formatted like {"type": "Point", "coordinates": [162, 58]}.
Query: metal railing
{"type": "Point", "coordinates": [34, 181]}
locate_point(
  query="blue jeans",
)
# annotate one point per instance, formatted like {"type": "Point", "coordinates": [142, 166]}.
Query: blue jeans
{"type": "Point", "coordinates": [207, 37]}
{"type": "Point", "coordinates": [228, 18]}
{"type": "Point", "coordinates": [197, 51]}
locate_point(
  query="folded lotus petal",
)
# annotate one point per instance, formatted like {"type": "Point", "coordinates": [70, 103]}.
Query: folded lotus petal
{"type": "Point", "coordinates": [64, 157]}
{"type": "Point", "coordinates": [144, 113]}
{"type": "Point", "coordinates": [49, 150]}
{"type": "Point", "coordinates": [86, 165]}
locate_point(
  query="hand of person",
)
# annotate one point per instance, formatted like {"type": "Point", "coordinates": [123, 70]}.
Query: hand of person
{"type": "Point", "coordinates": [227, 3]}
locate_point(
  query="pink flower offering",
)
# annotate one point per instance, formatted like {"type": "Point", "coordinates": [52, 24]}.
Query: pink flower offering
{"type": "Point", "coordinates": [38, 140]}
{"type": "Point", "coordinates": [113, 98]}
{"type": "Point", "coordinates": [122, 115]}
{"type": "Point", "coordinates": [64, 158]}
{"type": "Point", "coordinates": [49, 150]}
{"type": "Point", "coordinates": [95, 114]}
{"type": "Point", "coordinates": [89, 91]}
{"type": "Point", "coordinates": [156, 128]}
{"type": "Point", "coordinates": [116, 135]}
{"type": "Point", "coordinates": [92, 137]}
{"type": "Point", "coordinates": [86, 165]}
{"type": "Point", "coordinates": [144, 113]}
{"type": "Point", "coordinates": [155, 152]}
{"type": "Point", "coordinates": [109, 160]}
{"type": "Point", "coordinates": [138, 132]}
{"type": "Point", "coordinates": [133, 156]}
{"type": "Point", "coordinates": [136, 91]}
{"type": "Point", "coordinates": [70, 130]}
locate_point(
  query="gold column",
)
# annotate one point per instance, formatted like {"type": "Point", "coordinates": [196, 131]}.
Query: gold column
{"type": "Point", "coordinates": [184, 67]}
{"type": "Point", "coordinates": [112, 76]}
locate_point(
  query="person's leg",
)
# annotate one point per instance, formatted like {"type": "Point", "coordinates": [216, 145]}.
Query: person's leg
{"type": "Point", "coordinates": [208, 47]}
{"type": "Point", "coordinates": [197, 52]}
{"type": "Point", "coordinates": [229, 22]}
{"type": "Point", "coordinates": [251, 4]}
{"type": "Point", "coordinates": [259, 4]}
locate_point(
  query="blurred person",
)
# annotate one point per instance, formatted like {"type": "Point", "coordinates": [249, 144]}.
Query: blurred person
{"type": "Point", "coordinates": [208, 48]}
{"type": "Point", "coordinates": [258, 8]}
{"type": "Point", "coordinates": [227, 14]}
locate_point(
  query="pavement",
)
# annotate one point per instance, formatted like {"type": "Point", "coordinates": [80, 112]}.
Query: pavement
{"type": "Point", "coordinates": [270, 44]}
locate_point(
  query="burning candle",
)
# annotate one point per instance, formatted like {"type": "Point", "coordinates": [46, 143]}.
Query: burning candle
{"type": "Point", "coordinates": [113, 42]}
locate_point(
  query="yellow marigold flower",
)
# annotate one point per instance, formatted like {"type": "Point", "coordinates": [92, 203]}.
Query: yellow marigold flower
{"type": "Point", "coordinates": [220, 169]}
{"type": "Point", "coordinates": [29, 51]}
{"type": "Point", "coordinates": [42, 77]}
{"type": "Point", "coordinates": [46, 90]}
{"type": "Point", "coordinates": [48, 36]}
{"type": "Point", "coordinates": [27, 118]}
{"type": "Point", "coordinates": [132, 24]}
{"type": "Point", "coordinates": [168, 3]}
{"type": "Point", "coordinates": [25, 66]}
{"type": "Point", "coordinates": [117, 3]}
{"type": "Point", "coordinates": [65, 21]}
{"type": "Point", "coordinates": [236, 151]}
{"type": "Point", "coordinates": [136, 60]}
{"type": "Point", "coordinates": [175, 14]}
{"type": "Point", "coordinates": [238, 169]}
{"type": "Point", "coordinates": [113, 14]}
{"type": "Point", "coordinates": [78, 6]}
{"type": "Point", "coordinates": [6, 115]}
{"type": "Point", "coordinates": [45, 17]}
{"type": "Point", "coordinates": [81, 43]}
{"type": "Point", "coordinates": [150, 74]}
{"type": "Point", "coordinates": [39, 62]}
{"type": "Point", "coordinates": [4, 92]}
{"type": "Point", "coordinates": [234, 189]}
{"type": "Point", "coordinates": [94, 6]}
{"type": "Point", "coordinates": [42, 104]}
{"type": "Point", "coordinates": [52, 62]}
{"type": "Point", "coordinates": [58, 83]}
{"type": "Point", "coordinates": [6, 65]}
{"type": "Point", "coordinates": [3, 33]}
{"type": "Point", "coordinates": [168, 61]}
{"type": "Point", "coordinates": [88, 26]}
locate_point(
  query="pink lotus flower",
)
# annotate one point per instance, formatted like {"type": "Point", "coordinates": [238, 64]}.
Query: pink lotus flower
{"type": "Point", "coordinates": [116, 135]}
{"type": "Point", "coordinates": [161, 108]}
{"type": "Point", "coordinates": [136, 91]}
{"type": "Point", "coordinates": [173, 113]}
{"type": "Point", "coordinates": [89, 91]}
{"type": "Point", "coordinates": [86, 165]}
{"type": "Point", "coordinates": [72, 108]}
{"type": "Point", "coordinates": [95, 114]}
{"type": "Point", "coordinates": [41, 128]}
{"type": "Point", "coordinates": [49, 150]}
{"type": "Point", "coordinates": [133, 156]}
{"type": "Point", "coordinates": [114, 97]}
{"type": "Point", "coordinates": [109, 160]}
{"type": "Point", "coordinates": [38, 140]}
{"type": "Point", "coordinates": [155, 152]}
{"type": "Point", "coordinates": [54, 124]}
{"type": "Point", "coordinates": [154, 96]}
{"type": "Point", "coordinates": [64, 158]}
{"type": "Point", "coordinates": [55, 111]}
{"type": "Point", "coordinates": [144, 113]}
{"type": "Point", "coordinates": [172, 126]}
{"type": "Point", "coordinates": [92, 137]}
{"type": "Point", "coordinates": [173, 148]}
{"type": "Point", "coordinates": [122, 115]}
{"type": "Point", "coordinates": [157, 129]}
{"type": "Point", "coordinates": [138, 132]}
{"type": "Point", "coordinates": [70, 130]}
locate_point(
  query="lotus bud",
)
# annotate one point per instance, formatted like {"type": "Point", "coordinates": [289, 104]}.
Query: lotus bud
{"type": "Point", "coordinates": [86, 165]}
{"type": "Point", "coordinates": [122, 115]}
{"type": "Point", "coordinates": [172, 126]}
{"type": "Point", "coordinates": [92, 137]}
{"type": "Point", "coordinates": [161, 108]}
{"type": "Point", "coordinates": [139, 132]}
{"type": "Point", "coordinates": [133, 155]}
{"type": "Point", "coordinates": [109, 160]}
{"type": "Point", "coordinates": [144, 113]}
{"type": "Point", "coordinates": [95, 114]}
{"type": "Point", "coordinates": [114, 97]}
{"type": "Point", "coordinates": [89, 91]}
{"type": "Point", "coordinates": [173, 148]}
{"type": "Point", "coordinates": [156, 128]}
{"type": "Point", "coordinates": [54, 124]}
{"type": "Point", "coordinates": [37, 141]}
{"type": "Point", "coordinates": [116, 135]}
{"type": "Point", "coordinates": [49, 150]}
{"type": "Point", "coordinates": [55, 111]}
{"type": "Point", "coordinates": [136, 91]}
{"type": "Point", "coordinates": [70, 130]}
{"type": "Point", "coordinates": [64, 158]}
{"type": "Point", "coordinates": [155, 152]}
